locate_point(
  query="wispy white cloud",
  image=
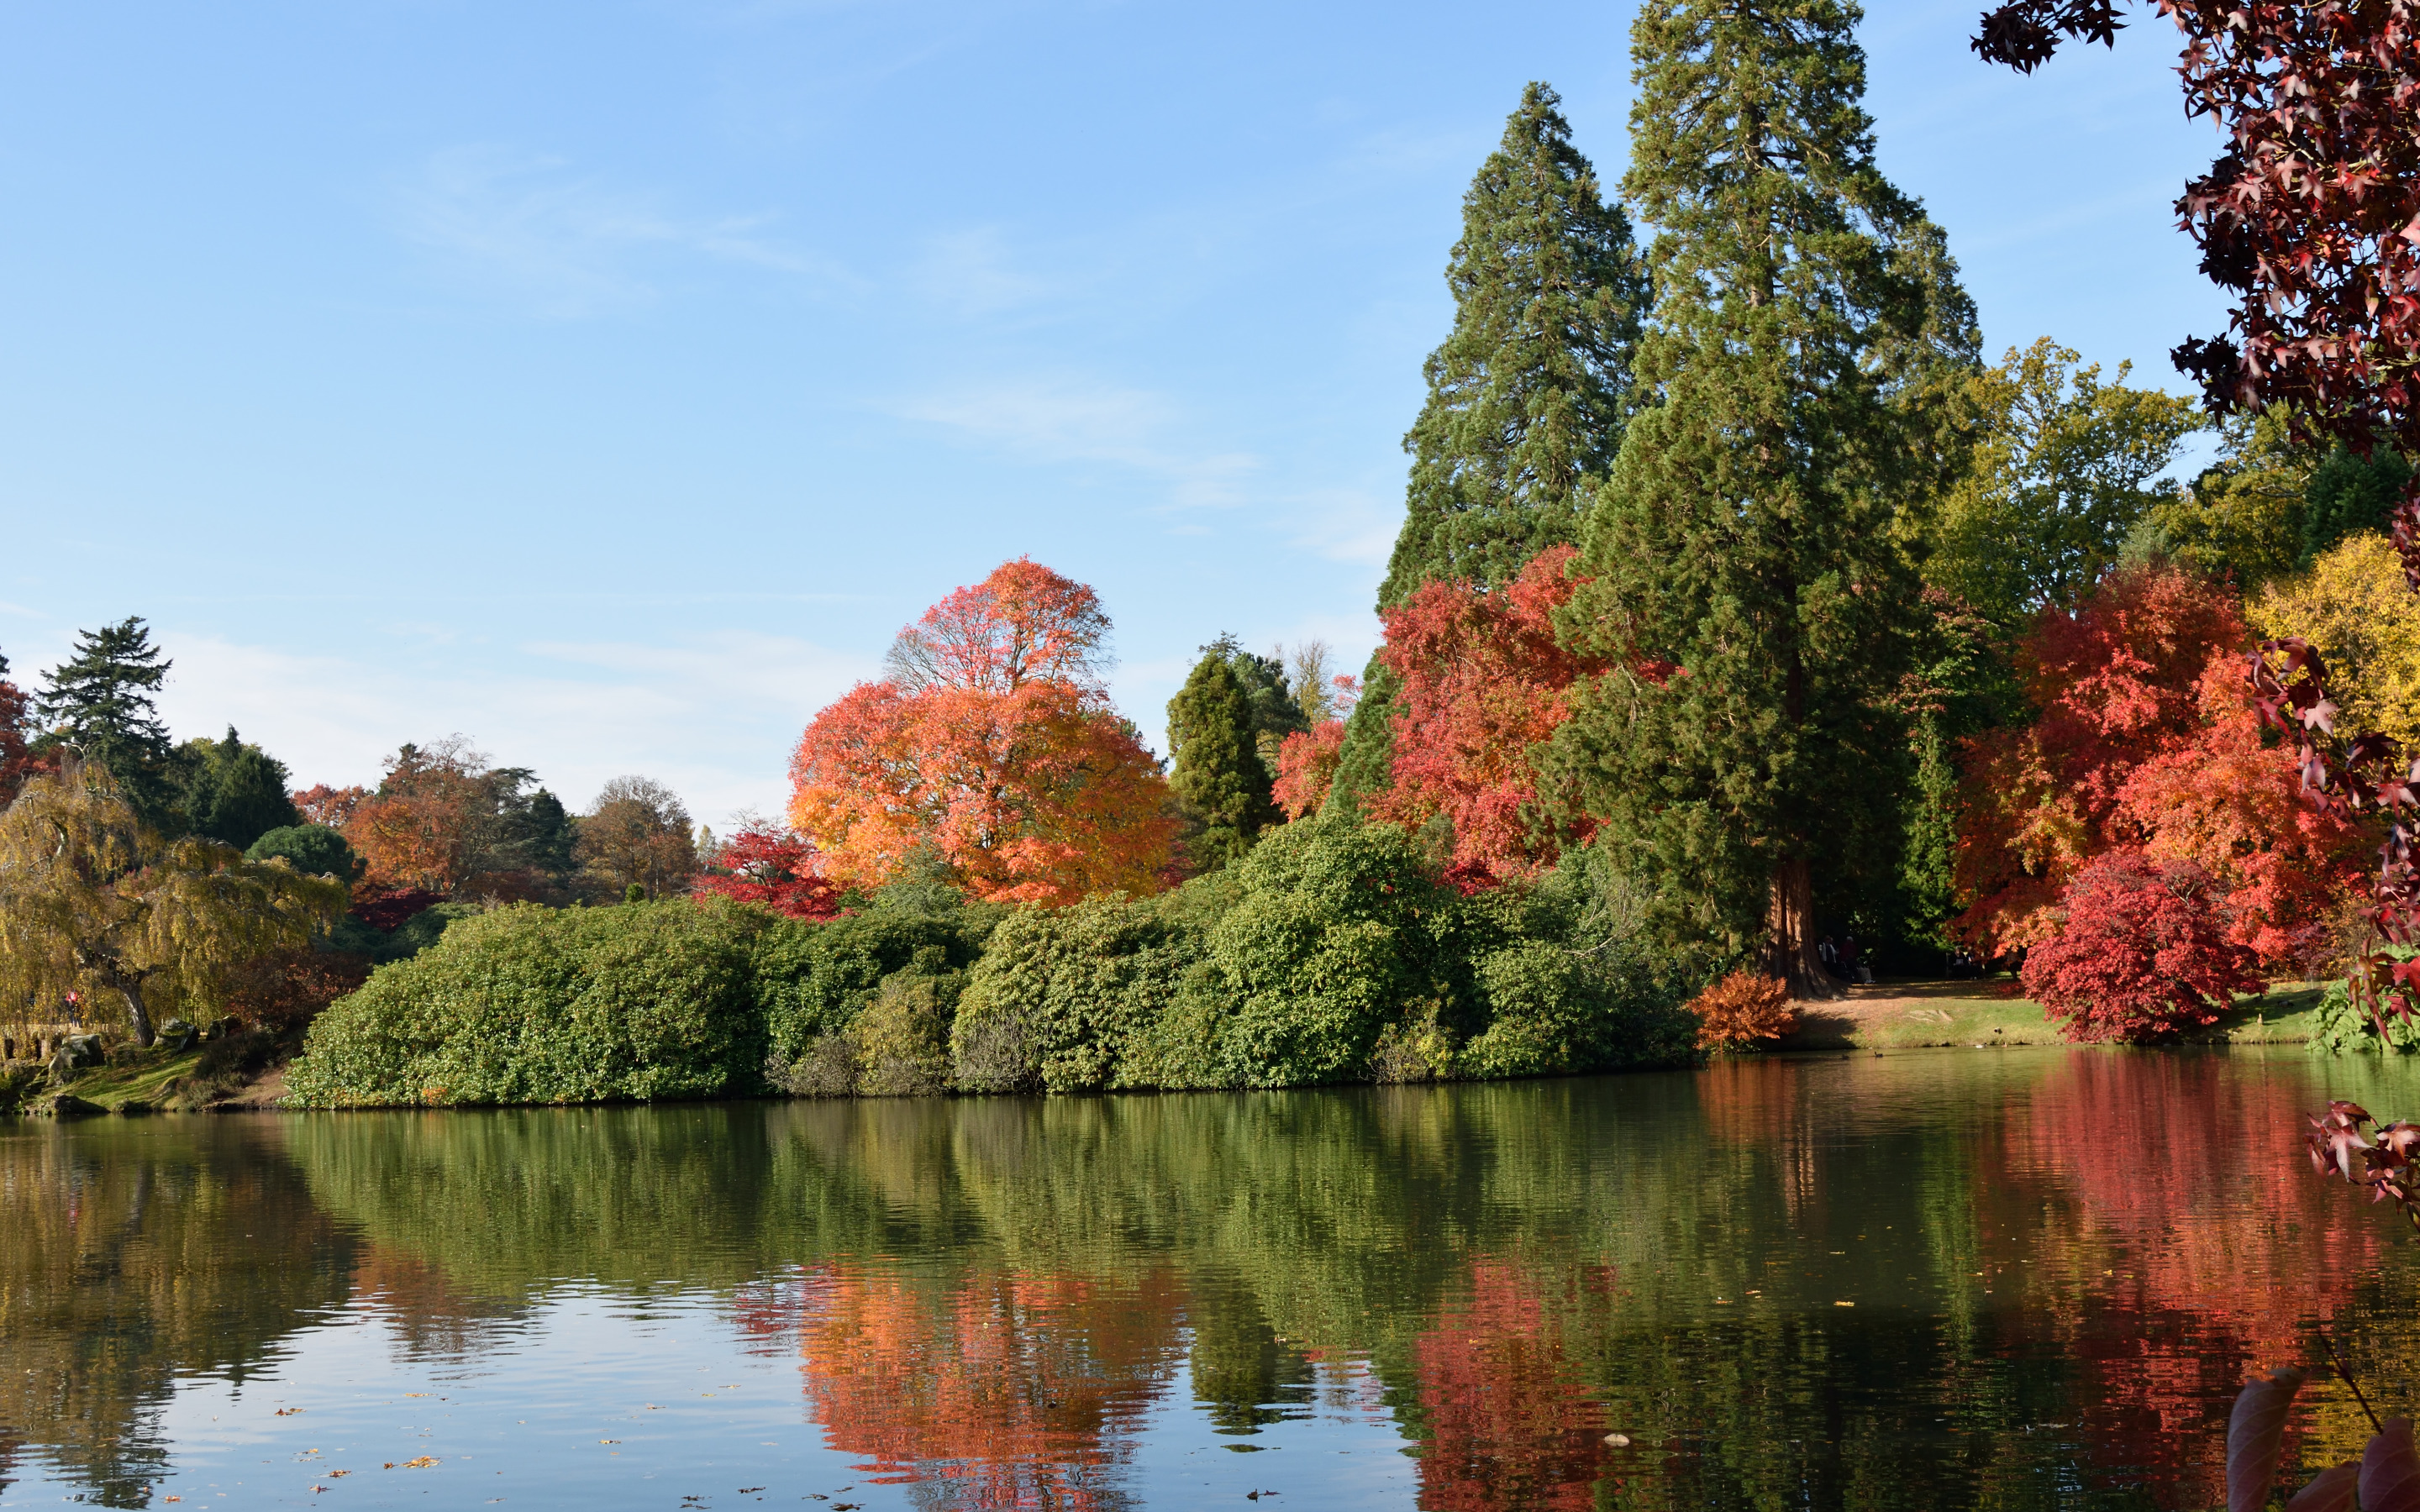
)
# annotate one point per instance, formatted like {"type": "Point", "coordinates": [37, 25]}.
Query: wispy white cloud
{"type": "Point", "coordinates": [1060, 419]}
{"type": "Point", "coordinates": [572, 244]}
{"type": "Point", "coordinates": [974, 272]}
{"type": "Point", "coordinates": [1344, 524]}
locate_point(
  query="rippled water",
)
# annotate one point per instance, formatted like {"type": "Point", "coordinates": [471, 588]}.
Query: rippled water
{"type": "Point", "coordinates": [1998, 1279]}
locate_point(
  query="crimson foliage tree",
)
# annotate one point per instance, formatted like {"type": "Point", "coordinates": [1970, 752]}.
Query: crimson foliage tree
{"type": "Point", "coordinates": [2141, 954]}
{"type": "Point", "coordinates": [775, 867]}
{"type": "Point", "coordinates": [1481, 680]}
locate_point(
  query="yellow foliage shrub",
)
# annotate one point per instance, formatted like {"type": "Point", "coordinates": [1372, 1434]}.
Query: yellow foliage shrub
{"type": "Point", "coordinates": [2354, 607]}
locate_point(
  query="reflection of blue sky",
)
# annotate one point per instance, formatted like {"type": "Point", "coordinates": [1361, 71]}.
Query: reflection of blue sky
{"type": "Point", "coordinates": [382, 354]}
{"type": "Point", "coordinates": [522, 1422]}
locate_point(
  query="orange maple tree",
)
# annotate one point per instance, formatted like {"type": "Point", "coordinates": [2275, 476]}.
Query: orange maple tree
{"type": "Point", "coordinates": [1483, 680]}
{"type": "Point", "coordinates": [993, 748]}
{"type": "Point", "coordinates": [418, 829]}
{"type": "Point", "coordinates": [321, 804]}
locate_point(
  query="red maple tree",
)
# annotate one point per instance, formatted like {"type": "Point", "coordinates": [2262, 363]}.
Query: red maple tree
{"type": "Point", "coordinates": [2226, 800]}
{"type": "Point", "coordinates": [2141, 951]}
{"type": "Point", "coordinates": [1306, 762]}
{"type": "Point", "coordinates": [2117, 681]}
{"type": "Point", "coordinates": [1483, 680]}
{"type": "Point", "coordinates": [775, 867]}
{"type": "Point", "coordinates": [321, 804]}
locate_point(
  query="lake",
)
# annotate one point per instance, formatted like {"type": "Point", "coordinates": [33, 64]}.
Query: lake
{"type": "Point", "coordinates": [2004, 1279]}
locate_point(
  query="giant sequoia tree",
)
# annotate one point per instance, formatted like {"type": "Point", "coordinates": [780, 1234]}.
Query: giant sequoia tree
{"type": "Point", "coordinates": [1808, 325]}
{"type": "Point", "coordinates": [1526, 396]}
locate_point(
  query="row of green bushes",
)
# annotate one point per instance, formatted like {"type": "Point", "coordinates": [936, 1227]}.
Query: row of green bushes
{"type": "Point", "coordinates": [1330, 954]}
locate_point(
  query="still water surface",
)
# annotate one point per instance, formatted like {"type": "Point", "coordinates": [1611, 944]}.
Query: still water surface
{"type": "Point", "coordinates": [2003, 1278]}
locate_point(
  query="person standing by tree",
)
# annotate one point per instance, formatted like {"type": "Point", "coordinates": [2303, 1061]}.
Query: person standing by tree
{"type": "Point", "coordinates": [1527, 396]}
{"type": "Point", "coordinates": [1807, 332]}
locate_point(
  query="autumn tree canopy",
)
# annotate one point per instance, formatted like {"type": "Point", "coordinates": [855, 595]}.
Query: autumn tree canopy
{"type": "Point", "coordinates": [638, 835]}
{"type": "Point", "coordinates": [992, 750]}
{"type": "Point", "coordinates": [767, 864]}
{"type": "Point", "coordinates": [445, 820]}
{"type": "Point", "coordinates": [2145, 747]}
{"type": "Point", "coordinates": [1482, 682]}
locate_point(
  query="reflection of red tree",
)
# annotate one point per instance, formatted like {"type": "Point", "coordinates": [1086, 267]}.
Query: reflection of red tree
{"type": "Point", "coordinates": [1508, 1425]}
{"type": "Point", "coordinates": [2204, 1249]}
{"type": "Point", "coordinates": [1011, 1387]}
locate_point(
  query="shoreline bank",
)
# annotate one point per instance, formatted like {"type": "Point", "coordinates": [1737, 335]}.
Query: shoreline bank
{"type": "Point", "coordinates": [1889, 1016]}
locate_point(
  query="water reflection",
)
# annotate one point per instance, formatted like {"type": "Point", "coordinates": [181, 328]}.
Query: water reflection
{"type": "Point", "coordinates": [2006, 1279]}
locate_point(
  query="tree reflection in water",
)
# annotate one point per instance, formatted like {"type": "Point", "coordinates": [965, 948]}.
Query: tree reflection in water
{"type": "Point", "coordinates": [2061, 1265]}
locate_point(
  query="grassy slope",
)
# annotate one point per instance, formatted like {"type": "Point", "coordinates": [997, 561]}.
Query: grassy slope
{"type": "Point", "coordinates": [1910, 1014]}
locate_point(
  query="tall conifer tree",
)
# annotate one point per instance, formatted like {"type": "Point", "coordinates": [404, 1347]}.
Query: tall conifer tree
{"type": "Point", "coordinates": [100, 704]}
{"type": "Point", "coordinates": [1807, 333]}
{"type": "Point", "coordinates": [1216, 773]}
{"type": "Point", "coordinates": [1526, 396]}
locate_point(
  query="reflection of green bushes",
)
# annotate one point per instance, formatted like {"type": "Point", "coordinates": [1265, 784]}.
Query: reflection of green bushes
{"type": "Point", "coordinates": [532, 1005]}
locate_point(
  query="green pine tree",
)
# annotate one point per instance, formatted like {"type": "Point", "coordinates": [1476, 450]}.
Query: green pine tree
{"type": "Point", "coordinates": [233, 792]}
{"type": "Point", "coordinates": [1527, 395]}
{"type": "Point", "coordinates": [1808, 333]}
{"type": "Point", "coordinates": [1220, 783]}
{"type": "Point", "coordinates": [100, 704]}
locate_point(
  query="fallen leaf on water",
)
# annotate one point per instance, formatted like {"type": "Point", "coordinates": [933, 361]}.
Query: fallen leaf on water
{"type": "Point", "coordinates": [609, 1440]}
{"type": "Point", "coordinates": [289, 1411]}
{"type": "Point", "coordinates": [422, 1463]}
{"type": "Point", "coordinates": [1618, 1440]}
{"type": "Point", "coordinates": [338, 1475]}
{"type": "Point", "coordinates": [1844, 1304]}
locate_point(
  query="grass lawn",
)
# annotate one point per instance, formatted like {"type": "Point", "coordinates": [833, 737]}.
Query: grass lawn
{"type": "Point", "coordinates": [1909, 1014]}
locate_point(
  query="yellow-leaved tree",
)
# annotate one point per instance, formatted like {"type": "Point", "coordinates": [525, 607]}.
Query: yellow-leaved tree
{"type": "Point", "coordinates": [2354, 606]}
{"type": "Point", "coordinates": [93, 902]}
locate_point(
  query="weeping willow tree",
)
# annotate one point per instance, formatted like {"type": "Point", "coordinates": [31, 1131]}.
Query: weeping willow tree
{"type": "Point", "coordinates": [93, 902]}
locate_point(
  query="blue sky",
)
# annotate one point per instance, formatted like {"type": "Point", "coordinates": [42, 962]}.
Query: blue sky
{"type": "Point", "coordinates": [608, 382]}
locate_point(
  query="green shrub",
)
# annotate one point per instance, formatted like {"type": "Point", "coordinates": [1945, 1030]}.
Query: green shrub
{"type": "Point", "coordinates": [530, 1005]}
{"type": "Point", "coordinates": [901, 1036]}
{"type": "Point", "coordinates": [2344, 1027]}
{"type": "Point", "coordinates": [313, 850]}
{"type": "Point", "coordinates": [1340, 932]}
{"type": "Point", "coordinates": [1059, 995]}
{"type": "Point", "coordinates": [812, 979]}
